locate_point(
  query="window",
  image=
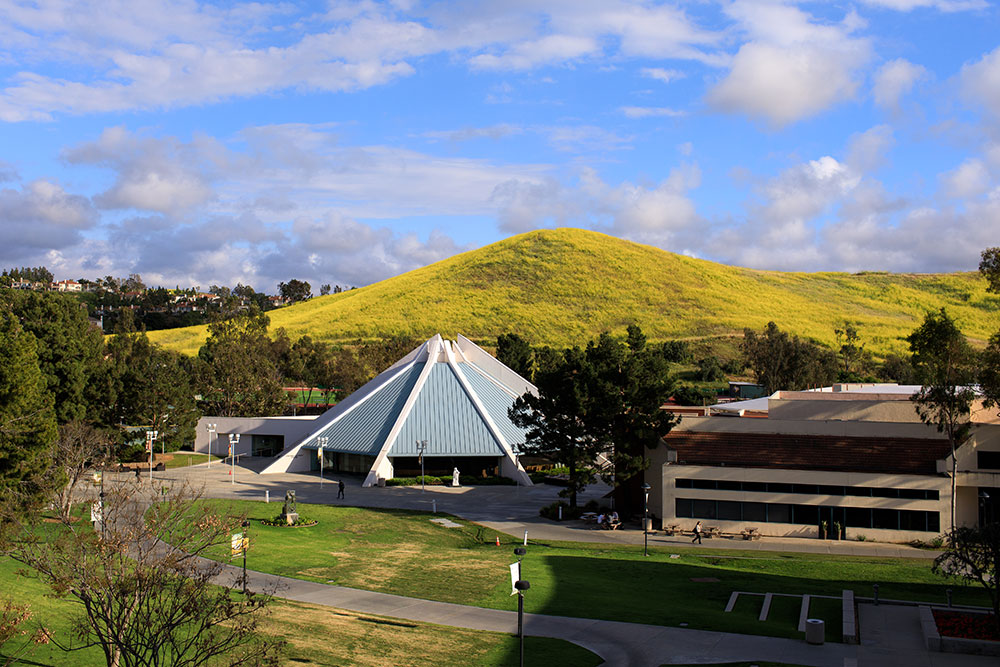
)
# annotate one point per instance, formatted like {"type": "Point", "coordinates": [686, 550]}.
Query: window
{"type": "Point", "coordinates": [878, 492]}
{"type": "Point", "coordinates": [779, 513]}
{"type": "Point", "coordinates": [703, 509]}
{"type": "Point", "coordinates": [886, 519]}
{"type": "Point", "coordinates": [858, 517]}
{"type": "Point", "coordinates": [988, 460]}
{"type": "Point", "coordinates": [805, 514]}
{"type": "Point", "coordinates": [776, 487]}
{"type": "Point", "coordinates": [755, 512]}
{"type": "Point", "coordinates": [682, 483]}
{"type": "Point", "coordinates": [728, 485]}
{"type": "Point", "coordinates": [807, 489]}
{"type": "Point", "coordinates": [682, 508]}
{"type": "Point", "coordinates": [703, 483]}
{"type": "Point", "coordinates": [755, 486]}
{"type": "Point", "coordinates": [730, 511]}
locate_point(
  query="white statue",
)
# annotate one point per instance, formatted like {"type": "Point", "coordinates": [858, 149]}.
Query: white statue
{"type": "Point", "coordinates": [454, 477]}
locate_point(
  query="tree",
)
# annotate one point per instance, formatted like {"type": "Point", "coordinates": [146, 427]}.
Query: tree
{"type": "Point", "coordinates": [27, 417]}
{"type": "Point", "coordinates": [13, 616]}
{"type": "Point", "coordinates": [555, 424]}
{"type": "Point", "coordinates": [852, 351]}
{"type": "Point", "coordinates": [324, 289]}
{"type": "Point", "coordinates": [70, 349]}
{"type": "Point", "coordinates": [989, 372]}
{"type": "Point", "coordinates": [944, 364]}
{"type": "Point", "coordinates": [973, 555]}
{"type": "Point", "coordinates": [628, 383]}
{"type": "Point", "coordinates": [146, 594]}
{"type": "Point", "coordinates": [78, 449]}
{"type": "Point", "coordinates": [515, 353]}
{"type": "Point", "coordinates": [779, 361]}
{"type": "Point", "coordinates": [989, 266]}
{"type": "Point", "coordinates": [295, 290]}
{"type": "Point", "coordinates": [237, 375]}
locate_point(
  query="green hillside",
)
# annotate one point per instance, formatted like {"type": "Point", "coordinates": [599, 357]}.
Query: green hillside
{"type": "Point", "coordinates": [565, 286]}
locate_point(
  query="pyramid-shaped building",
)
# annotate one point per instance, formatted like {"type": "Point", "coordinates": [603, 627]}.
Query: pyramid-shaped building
{"type": "Point", "coordinates": [451, 395]}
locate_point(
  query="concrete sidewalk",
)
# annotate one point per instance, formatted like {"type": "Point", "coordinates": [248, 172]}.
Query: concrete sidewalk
{"type": "Point", "coordinates": [508, 510]}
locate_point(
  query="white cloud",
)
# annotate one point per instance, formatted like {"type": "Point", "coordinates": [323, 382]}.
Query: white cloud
{"type": "Point", "coordinates": [664, 75]}
{"type": "Point", "coordinates": [793, 67]}
{"type": "Point", "coordinates": [970, 179]}
{"type": "Point", "coordinates": [866, 151]}
{"type": "Point", "coordinates": [650, 112]}
{"type": "Point", "coordinates": [894, 80]}
{"type": "Point", "coordinates": [38, 217]}
{"type": "Point", "coordinates": [471, 133]}
{"type": "Point", "coordinates": [151, 174]}
{"type": "Point", "coordinates": [980, 81]}
{"type": "Point", "coordinates": [942, 5]}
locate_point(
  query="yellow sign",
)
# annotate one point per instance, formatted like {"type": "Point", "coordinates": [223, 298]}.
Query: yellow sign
{"type": "Point", "coordinates": [239, 544]}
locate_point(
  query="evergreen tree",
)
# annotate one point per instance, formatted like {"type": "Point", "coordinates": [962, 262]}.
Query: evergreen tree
{"type": "Point", "coordinates": [515, 353]}
{"type": "Point", "coordinates": [27, 418]}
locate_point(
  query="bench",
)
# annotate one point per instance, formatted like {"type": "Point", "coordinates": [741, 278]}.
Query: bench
{"type": "Point", "coordinates": [750, 533]}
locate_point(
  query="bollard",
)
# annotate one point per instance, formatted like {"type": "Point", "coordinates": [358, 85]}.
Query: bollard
{"type": "Point", "coordinates": [267, 496]}
{"type": "Point", "coordinates": [434, 506]}
{"type": "Point", "coordinates": [560, 512]}
{"type": "Point", "coordinates": [948, 593]}
{"type": "Point", "coordinates": [875, 588]}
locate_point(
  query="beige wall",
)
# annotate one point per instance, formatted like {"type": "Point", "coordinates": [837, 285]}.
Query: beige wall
{"type": "Point", "coordinates": [669, 492]}
{"type": "Point", "coordinates": [293, 428]}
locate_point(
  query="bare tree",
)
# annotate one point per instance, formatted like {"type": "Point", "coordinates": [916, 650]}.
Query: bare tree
{"type": "Point", "coordinates": [147, 596]}
{"type": "Point", "coordinates": [16, 639]}
{"type": "Point", "coordinates": [79, 448]}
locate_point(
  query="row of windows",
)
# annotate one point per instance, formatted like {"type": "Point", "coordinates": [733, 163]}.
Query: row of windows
{"type": "Point", "coordinates": [809, 489]}
{"type": "Point", "coordinates": [809, 515]}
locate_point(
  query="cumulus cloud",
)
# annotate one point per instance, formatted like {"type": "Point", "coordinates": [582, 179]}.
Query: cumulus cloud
{"type": "Point", "coordinates": [151, 174]}
{"type": "Point", "coordinates": [41, 216]}
{"type": "Point", "coordinates": [793, 67]}
{"type": "Point", "coordinates": [969, 179]}
{"type": "Point", "coordinates": [894, 80]}
{"type": "Point", "coordinates": [980, 81]}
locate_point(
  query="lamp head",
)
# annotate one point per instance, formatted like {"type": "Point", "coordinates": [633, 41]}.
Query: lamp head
{"type": "Point", "coordinates": [522, 585]}
{"type": "Point", "coordinates": [520, 551]}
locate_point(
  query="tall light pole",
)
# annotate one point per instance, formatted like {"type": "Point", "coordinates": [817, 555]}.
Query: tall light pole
{"type": "Point", "coordinates": [645, 518]}
{"type": "Point", "coordinates": [150, 438]}
{"type": "Point", "coordinates": [321, 441]}
{"type": "Point", "coordinates": [520, 585]}
{"type": "Point", "coordinates": [421, 447]}
{"type": "Point", "coordinates": [211, 433]}
{"type": "Point", "coordinates": [234, 439]}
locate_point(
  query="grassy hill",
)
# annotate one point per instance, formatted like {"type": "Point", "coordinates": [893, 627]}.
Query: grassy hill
{"type": "Point", "coordinates": [565, 286]}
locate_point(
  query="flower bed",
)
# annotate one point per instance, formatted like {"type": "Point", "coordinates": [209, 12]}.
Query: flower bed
{"type": "Point", "coordinates": [966, 625]}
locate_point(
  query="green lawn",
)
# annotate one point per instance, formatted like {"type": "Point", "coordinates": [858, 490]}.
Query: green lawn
{"type": "Point", "coordinates": [183, 459]}
{"type": "Point", "coordinates": [315, 635]}
{"type": "Point", "coordinates": [403, 552]}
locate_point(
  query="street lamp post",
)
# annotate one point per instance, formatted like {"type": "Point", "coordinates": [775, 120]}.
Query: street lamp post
{"type": "Point", "coordinates": [521, 585]}
{"type": "Point", "coordinates": [321, 441]}
{"type": "Point", "coordinates": [645, 518]}
{"type": "Point", "coordinates": [211, 432]}
{"type": "Point", "coordinates": [246, 543]}
{"type": "Point", "coordinates": [234, 439]}
{"type": "Point", "coordinates": [150, 438]}
{"type": "Point", "coordinates": [421, 447]}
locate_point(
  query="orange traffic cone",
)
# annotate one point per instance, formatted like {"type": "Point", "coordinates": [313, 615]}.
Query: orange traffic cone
{"type": "Point", "coordinates": [498, 540]}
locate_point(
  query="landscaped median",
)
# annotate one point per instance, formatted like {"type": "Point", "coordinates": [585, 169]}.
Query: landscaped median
{"type": "Point", "coordinates": [405, 553]}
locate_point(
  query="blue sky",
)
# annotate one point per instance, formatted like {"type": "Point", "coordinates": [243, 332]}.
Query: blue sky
{"type": "Point", "coordinates": [203, 143]}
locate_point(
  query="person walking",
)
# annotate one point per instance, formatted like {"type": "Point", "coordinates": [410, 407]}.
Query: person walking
{"type": "Point", "coordinates": [697, 533]}
{"type": "Point", "coordinates": [340, 489]}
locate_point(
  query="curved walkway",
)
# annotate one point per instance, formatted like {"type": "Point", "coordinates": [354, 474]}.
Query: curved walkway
{"type": "Point", "coordinates": [515, 510]}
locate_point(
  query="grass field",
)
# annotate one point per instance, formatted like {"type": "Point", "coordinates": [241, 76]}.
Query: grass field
{"type": "Point", "coordinates": [565, 286]}
{"type": "Point", "coordinates": [403, 552]}
{"type": "Point", "coordinates": [183, 459]}
{"type": "Point", "coordinates": [315, 636]}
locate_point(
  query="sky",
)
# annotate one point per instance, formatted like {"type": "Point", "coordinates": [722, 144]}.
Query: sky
{"type": "Point", "coordinates": [201, 143]}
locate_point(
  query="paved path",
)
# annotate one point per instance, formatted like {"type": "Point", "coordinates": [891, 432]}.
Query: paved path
{"type": "Point", "coordinates": [887, 632]}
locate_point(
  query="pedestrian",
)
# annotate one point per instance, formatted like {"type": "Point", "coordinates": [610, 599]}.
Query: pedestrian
{"type": "Point", "coordinates": [340, 489]}
{"type": "Point", "coordinates": [697, 533]}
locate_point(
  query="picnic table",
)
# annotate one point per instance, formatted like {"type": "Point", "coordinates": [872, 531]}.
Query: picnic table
{"type": "Point", "coordinates": [751, 533]}
{"type": "Point", "coordinates": [672, 529]}
{"type": "Point", "coordinates": [712, 531]}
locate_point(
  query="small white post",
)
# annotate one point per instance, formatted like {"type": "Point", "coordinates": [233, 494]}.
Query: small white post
{"type": "Point", "coordinates": [525, 538]}
{"type": "Point", "coordinates": [434, 506]}
{"type": "Point", "coordinates": [267, 496]}
{"type": "Point", "coordinates": [560, 512]}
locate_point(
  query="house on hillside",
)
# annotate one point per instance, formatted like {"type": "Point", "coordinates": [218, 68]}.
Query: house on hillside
{"type": "Point", "coordinates": [445, 402]}
{"type": "Point", "coordinates": [857, 456]}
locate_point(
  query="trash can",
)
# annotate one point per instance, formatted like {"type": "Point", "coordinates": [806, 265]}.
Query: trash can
{"type": "Point", "coordinates": [381, 481]}
{"type": "Point", "coordinates": [815, 631]}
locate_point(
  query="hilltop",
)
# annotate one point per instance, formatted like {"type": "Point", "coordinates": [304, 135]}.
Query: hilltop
{"type": "Point", "coordinates": [565, 286]}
